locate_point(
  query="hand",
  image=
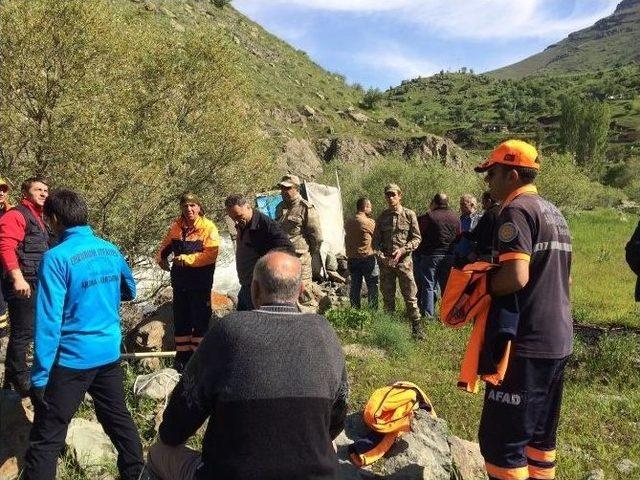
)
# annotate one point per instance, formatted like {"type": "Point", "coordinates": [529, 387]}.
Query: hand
{"type": "Point", "coordinates": [22, 288]}
{"type": "Point", "coordinates": [396, 255]}
{"type": "Point", "coordinates": [37, 397]}
{"type": "Point", "coordinates": [164, 265]}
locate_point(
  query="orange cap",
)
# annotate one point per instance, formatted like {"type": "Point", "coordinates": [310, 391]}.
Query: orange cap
{"type": "Point", "coordinates": [515, 153]}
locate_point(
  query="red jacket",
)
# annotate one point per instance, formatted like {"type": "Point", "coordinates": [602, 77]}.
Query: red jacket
{"type": "Point", "coordinates": [12, 230]}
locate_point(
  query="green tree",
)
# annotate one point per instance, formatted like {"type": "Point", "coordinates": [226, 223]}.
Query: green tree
{"type": "Point", "coordinates": [371, 98]}
{"type": "Point", "coordinates": [124, 110]}
{"type": "Point", "coordinates": [584, 131]}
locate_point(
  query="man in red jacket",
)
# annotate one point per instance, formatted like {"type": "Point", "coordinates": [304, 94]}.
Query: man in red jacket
{"type": "Point", "coordinates": [24, 237]}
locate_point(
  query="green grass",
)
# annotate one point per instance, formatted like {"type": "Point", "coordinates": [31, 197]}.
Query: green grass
{"type": "Point", "coordinates": [600, 414]}
{"type": "Point", "coordinates": [603, 284]}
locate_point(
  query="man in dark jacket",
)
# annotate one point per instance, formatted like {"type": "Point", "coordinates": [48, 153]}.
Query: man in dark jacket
{"type": "Point", "coordinates": [439, 228]}
{"type": "Point", "coordinates": [24, 237]}
{"type": "Point", "coordinates": [273, 384]}
{"type": "Point", "coordinates": [633, 258]}
{"type": "Point", "coordinates": [256, 234]}
{"type": "Point", "coordinates": [482, 236]}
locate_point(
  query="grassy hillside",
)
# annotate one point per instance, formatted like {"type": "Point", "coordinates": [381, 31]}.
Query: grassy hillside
{"type": "Point", "coordinates": [303, 109]}
{"type": "Point", "coordinates": [478, 111]}
{"type": "Point", "coordinates": [610, 42]}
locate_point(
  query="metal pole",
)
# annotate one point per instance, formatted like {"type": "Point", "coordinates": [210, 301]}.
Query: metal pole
{"type": "Point", "coordinates": [130, 356]}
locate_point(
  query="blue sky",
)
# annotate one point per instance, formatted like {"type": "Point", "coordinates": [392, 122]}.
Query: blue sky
{"type": "Point", "coordinates": [382, 42]}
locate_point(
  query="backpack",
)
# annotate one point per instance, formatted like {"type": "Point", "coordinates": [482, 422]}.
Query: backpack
{"type": "Point", "coordinates": [632, 251]}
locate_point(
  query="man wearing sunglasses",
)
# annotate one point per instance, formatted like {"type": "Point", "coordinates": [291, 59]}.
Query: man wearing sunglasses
{"type": "Point", "coordinates": [396, 235]}
{"type": "Point", "coordinates": [533, 247]}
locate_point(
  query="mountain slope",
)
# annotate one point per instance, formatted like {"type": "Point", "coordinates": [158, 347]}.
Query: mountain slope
{"type": "Point", "coordinates": [610, 42]}
{"type": "Point", "coordinates": [308, 115]}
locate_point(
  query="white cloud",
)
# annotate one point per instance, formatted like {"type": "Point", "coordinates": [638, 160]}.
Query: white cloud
{"type": "Point", "coordinates": [395, 64]}
{"type": "Point", "coordinates": [470, 19]}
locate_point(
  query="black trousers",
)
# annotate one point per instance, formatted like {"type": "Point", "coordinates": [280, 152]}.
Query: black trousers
{"type": "Point", "coordinates": [21, 316]}
{"type": "Point", "coordinates": [520, 420]}
{"type": "Point", "coordinates": [63, 395]}
{"type": "Point", "coordinates": [191, 316]}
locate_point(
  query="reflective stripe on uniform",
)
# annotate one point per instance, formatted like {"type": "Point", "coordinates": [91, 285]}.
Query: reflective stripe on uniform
{"type": "Point", "coordinates": [553, 245]}
{"type": "Point", "coordinates": [540, 455]}
{"type": "Point", "coordinates": [542, 473]}
{"type": "Point", "coordinates": [514, 256]}
{"type": "Point", "coordinates": [500, 473]}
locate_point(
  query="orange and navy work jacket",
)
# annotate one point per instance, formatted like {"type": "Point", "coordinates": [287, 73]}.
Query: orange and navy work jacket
{"type": "Point", "coordinates": [466, 299]}
{"type": "Point", "coordinates": [197, 246]}
{"type": "Point", "coordinates": [388, 414]}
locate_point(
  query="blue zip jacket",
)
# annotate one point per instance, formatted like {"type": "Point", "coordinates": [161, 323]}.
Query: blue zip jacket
{"type": "Point", "coordinates": [77, 324]}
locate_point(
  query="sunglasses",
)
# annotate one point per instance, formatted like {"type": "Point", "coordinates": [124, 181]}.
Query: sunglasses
{"type": "Point", "coordinates": [390, 194]}
{"type": "Point", "coordinates": [4, 188]}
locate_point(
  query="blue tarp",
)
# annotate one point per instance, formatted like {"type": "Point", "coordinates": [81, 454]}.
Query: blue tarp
{"type": "Point", "coordinates": [267, 203]}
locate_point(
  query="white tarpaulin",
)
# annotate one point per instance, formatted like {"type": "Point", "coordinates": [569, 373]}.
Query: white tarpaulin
{"type": "Point", "coordinates": [328, 202]}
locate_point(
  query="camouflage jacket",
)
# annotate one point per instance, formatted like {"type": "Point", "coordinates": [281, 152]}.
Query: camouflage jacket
{"type": "Point", "coordinates": [395, 230]}
{"type": "Point", "coordinates": [300, 220]}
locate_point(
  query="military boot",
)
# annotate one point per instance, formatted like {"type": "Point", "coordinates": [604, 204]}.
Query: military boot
{"type": "Point", "coordinates": [417, 332]}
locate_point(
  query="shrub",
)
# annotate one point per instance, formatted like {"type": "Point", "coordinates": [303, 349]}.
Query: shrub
{"type": "Point", "coordinates": [349, 318]}
{"type": "Point", "coordinates": [124, 110]}
{"type": "Point", "coordinates": [371, 98]}
{"type": "Point", "coordinates": [566, 185]}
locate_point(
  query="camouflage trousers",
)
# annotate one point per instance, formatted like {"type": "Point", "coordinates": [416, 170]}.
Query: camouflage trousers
{"type": "Point", "coordinates": [403, 272]}
{"type": "Point", "coordinates": [306, 298]}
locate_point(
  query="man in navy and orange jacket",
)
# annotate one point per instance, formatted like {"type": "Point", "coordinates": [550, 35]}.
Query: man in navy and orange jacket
{"type": "Point", "coordinates": [533, 245]}
{"type": "Point", "coordinates": [193, 240]}
{"type": "Point", "coordinates": [24, 237]}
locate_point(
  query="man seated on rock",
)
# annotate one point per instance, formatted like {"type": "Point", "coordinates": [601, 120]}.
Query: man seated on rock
{"type": "Point", "coordinates": [77, 341]}
{"type": "Point", "coordinates": [271, 381]}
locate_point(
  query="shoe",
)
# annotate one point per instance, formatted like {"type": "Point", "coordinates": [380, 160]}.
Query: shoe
{"type": "Point", "coordinates": [417, 332]}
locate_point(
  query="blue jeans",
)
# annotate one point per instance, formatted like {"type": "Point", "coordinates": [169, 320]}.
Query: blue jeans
{"type": "Point", "coordinates": [244, 298]}
{"type": "Point", "coordinates": [434, 272]}
{"type": "Point", "coordinates": [366, 268]}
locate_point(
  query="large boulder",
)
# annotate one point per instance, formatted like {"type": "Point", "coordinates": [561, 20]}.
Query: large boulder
{"type": "Point", "coordinates": [300, 158]}
{"type": "Point", "coordinates": [426, 452]}
{"type": "Point", "coordinates": [427, 148]}
{"type": "Point", "coordinates": [155, 332]}
{"type": "Point", "coordinates": [90, 447]}
{"type": "Point", "coordinates": [467, 460]}
{"type": "Point", "coordinates": [421, 454]}
{"type": "Point", "coordinates": [348, 149]}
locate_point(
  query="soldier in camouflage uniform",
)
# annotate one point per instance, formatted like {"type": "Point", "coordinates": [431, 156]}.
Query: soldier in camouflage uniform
{"type": "Point", "coordinates": [300, 220]}
{"type": "Point", "coordinates": [396, 235]}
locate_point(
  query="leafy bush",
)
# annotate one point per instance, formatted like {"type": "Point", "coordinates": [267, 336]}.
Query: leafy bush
{"type": "Point", "coordinates": [566, 185]}
{"type": "Point", "coordinates": [419, 183]}
{"type": "Point", "coordinates": [349, 318]}
{"type": "Point", "coordinates": [125, 110]}
{"type": "Point", "coordinates": [371, 98]}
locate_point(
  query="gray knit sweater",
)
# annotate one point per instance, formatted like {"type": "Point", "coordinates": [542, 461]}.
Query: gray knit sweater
{"type": "Point", "coordinates": [274, 385]}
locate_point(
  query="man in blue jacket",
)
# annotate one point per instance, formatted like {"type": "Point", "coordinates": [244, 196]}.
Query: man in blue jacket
{"type": "Point", "coordinates": [77, 340]}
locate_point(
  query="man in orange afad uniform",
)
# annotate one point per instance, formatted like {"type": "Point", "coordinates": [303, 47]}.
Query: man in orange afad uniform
{"type": "Point", "coordinates": [533, 247]}
{"type": "Point", "coordinates": [193, 240]}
